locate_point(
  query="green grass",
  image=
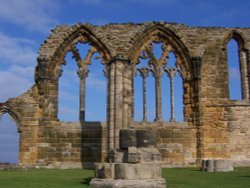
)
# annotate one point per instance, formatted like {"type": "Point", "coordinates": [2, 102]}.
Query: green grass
{"type": "Point", "coordinates": [44, 178]}
{"type": "Point", "coordinates": [77, 178]}
{"type": "Point", "coordinates": [193, 178]}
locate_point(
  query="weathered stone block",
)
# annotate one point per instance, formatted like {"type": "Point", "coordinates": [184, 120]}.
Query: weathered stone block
{"type": "Point", "coordinates": [137, 171]}
{"type": "Point", "coordinates": [105, 170]}
{"type": "Point", "coordinates": [134, 156]}
{"type": "Point", "coordinates": [146, 138]}
{"type": "Point", "coordinates": [118, 156]}
{"type": "Point", "coordinates": [128, 138]}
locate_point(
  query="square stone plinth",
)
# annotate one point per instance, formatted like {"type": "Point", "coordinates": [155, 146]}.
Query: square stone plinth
{"type": "Point", "coordinates": [138, 183]}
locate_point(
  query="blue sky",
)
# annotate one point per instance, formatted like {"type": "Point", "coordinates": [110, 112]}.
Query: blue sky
{"type": "Point", "coordinates": [25, 24]}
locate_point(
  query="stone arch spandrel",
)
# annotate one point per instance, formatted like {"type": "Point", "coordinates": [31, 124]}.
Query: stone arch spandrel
{"type": "Point", "coordinates": [214, 80]}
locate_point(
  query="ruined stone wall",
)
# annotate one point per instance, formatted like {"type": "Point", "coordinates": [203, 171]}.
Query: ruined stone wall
{"type": "Point", "coordinates": [70, 145]}
{"type": "Point", "coordinates": [176, 142]}
{"type": "Point", "coordinates": [239, 133]}
{"type": "Point", "coordinates": [214, 126]}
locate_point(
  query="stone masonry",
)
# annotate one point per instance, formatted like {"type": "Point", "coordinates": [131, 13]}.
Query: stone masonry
{"type": "Point", "coordinates": [214, 127]}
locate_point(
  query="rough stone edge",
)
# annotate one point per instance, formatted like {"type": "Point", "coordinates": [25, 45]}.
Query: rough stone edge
{"type": "Point", "coordinates": [110, 183]}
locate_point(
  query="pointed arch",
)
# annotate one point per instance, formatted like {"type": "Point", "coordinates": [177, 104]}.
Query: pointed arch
{"type": "Point", "coordinates": [160, 33]}
{"type": "Point", "coordinates": [159, 30]}
{"type": "Point", "coordinates": [237, 36]}
{"type": "Point", "coordinates": [5, 108]}
{"type": "Point", "coordinates": [243, 61]}
{"type": "Point", "coordinates": [51, 58]}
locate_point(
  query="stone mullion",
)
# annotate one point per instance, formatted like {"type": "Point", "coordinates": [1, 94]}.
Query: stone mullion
{"type": "Point", "coordinates": [171, 72]}
{"type": "Point", "coordinates": [144, 100]}
{"type": "Point", "coordinates": [158, 100]}
{"type": "Point", "coordinates": [157, 72]}
{"type": "Point", "coordinates": [172, 119]}
{"type": "Point", "coordinates": [243, 71]}
{"type": "Point", "coordinates": [83, 74]}
{"type": "Point", "coordinates": [144, 73]}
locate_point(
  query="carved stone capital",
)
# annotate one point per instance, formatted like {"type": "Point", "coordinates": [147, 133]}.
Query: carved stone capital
{"type": "Point", "coordinates": [171, 72]}
{"type": "Point", "coordinates": [83, 73]}
{"type": "Point", "coordinates": [157, 72]}
{"type": "Point", "coordinates": [144, 71]}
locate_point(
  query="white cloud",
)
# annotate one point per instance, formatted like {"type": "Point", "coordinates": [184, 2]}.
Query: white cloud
{"type": "Point", "coordinates": [234, 73]}
{"type": "Point", "coordinates": [95, 82]}
{"type": "Point", "coordinates": [35, 15]}
{"type": "Point", "coordinates": [18, 59]}
{"type": "Point", "coordinates": [12, 84]}
{"type": "Point", "coordinates": [66, 95]}
{"type": "Point", "coordinates": [17, 50]}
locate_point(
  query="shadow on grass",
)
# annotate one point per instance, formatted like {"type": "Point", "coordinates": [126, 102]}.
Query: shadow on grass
{"type": "Point", "coordinates": [244, 176]}
{"type": "Point", "coordinates": [86, 181]}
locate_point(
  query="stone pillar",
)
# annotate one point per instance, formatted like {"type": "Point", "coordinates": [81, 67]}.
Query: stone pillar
{"type": "Point", "coordinates": [119, 103]}
{"type": "Point", "coordinates": [157, 73]}
{"type": "Point", "coordinates": [110, 107]}
{"type": "Point", "coordinates": [127, 94]}
{"type": "Point", "coordinates": [144, 73]}
{"type": "Point", "coordinates": [83, 74]}
{"type": "Point", "coordinates": [171, 72]}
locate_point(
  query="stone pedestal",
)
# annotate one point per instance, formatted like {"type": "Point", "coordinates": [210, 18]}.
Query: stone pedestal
{"type": "Point", "coordinates": [217, 165]}
{"type": "Point", "coordinates": [136, 164]}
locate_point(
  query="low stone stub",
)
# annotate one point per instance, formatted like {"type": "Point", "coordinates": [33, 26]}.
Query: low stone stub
{"type": "Point", "coordinates": [217, 165]}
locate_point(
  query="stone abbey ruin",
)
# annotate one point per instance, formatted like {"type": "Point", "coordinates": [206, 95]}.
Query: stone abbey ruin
{"type": "Point", "coordinates": [214, 126]}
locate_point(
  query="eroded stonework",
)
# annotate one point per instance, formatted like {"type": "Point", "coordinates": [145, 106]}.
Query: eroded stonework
{"type": "Point", "coordinates": [214, 126]}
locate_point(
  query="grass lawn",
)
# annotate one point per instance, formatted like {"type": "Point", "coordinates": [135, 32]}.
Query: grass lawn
{"type": "Point", "coordinates": [176, 178]}
{"type": "Point", "coordinates": [193, 178]}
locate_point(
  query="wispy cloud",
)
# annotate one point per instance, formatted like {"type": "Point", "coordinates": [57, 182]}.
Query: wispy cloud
{"type": "Point", "coordinates": [13, 84]}
{"type": "Point", "coordinates": [234, 73]}
{"type": "Point", "coordinates": [96, 82]}
{"type": "Point", "coordinates": [17, 50]}
{"type": "Point", "coordinates": [18, 59]}
{"type": "Point", "coordinates": [35, 15]}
